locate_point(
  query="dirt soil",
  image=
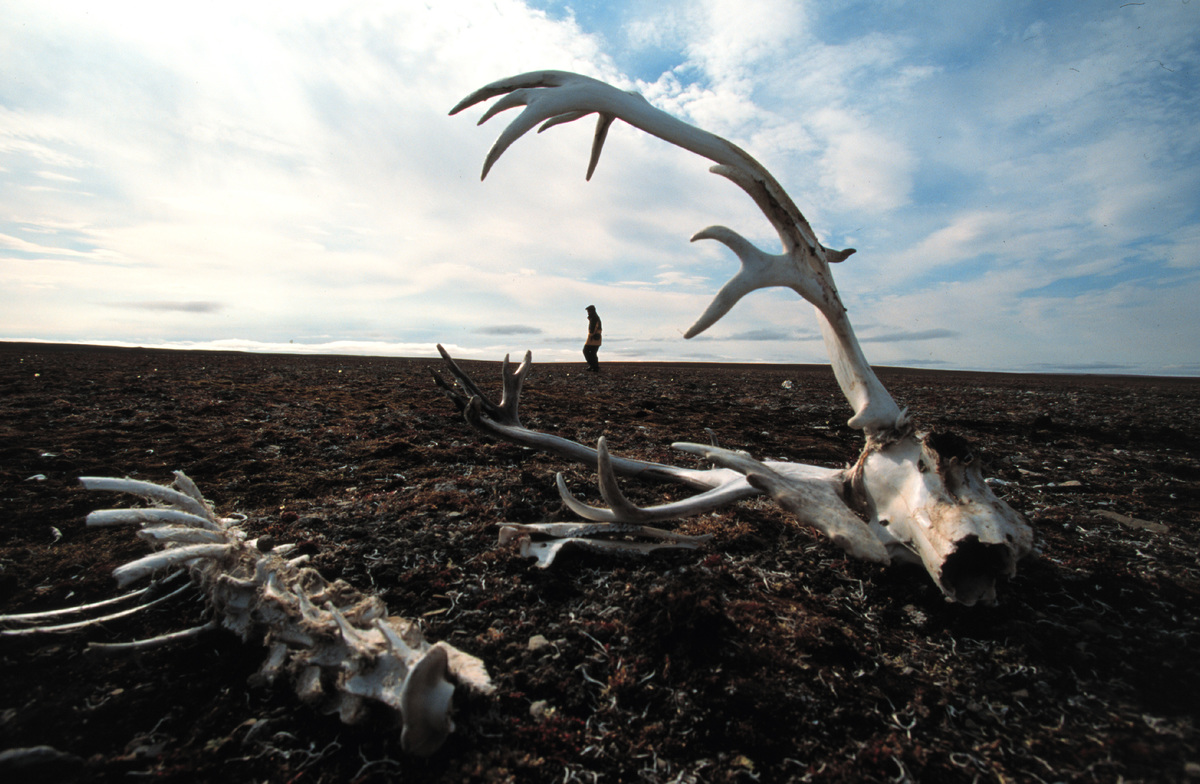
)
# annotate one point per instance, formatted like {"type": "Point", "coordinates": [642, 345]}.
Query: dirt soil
{"type": "Point", "coordinates": [766, 656]}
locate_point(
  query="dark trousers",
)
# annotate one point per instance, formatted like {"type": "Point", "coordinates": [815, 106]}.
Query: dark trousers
{"type": "Point", "coordinates": [589, 353]}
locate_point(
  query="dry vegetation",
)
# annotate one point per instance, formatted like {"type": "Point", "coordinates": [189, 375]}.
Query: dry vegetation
{"type": "Point", "coordinates": [765, 657]}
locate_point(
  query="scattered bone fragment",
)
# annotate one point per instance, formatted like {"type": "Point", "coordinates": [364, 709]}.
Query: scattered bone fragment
{"type": "Point", "coordinates": [541, 709]}
{"type": "Point", "coordinates": [1131, 522]}
{"type": "Point", "coordinates": [36, 761]}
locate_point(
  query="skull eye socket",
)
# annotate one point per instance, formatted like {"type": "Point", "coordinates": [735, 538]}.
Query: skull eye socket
{"type": "Point", "coordinates": [922, 467]}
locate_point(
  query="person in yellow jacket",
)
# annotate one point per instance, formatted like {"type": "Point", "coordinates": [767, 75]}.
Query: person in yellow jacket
{"type": "Point", "coordinates": [593, 340]}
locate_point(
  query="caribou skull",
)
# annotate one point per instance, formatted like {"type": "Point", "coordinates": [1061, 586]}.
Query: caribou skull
{"type": "Point", "coordinates": [911, 496]}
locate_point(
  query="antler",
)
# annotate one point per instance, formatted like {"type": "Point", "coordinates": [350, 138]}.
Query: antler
{"type": "Point", "coordinates": [919, 504]}
{"type": "Point", "coordinates": [809, 492]}
{"type": "Point", "coordinates": [731, 487]}
{"type": "Point", "coordinates": [500, 420]}
{"type": "Point", "coordinates": [555, 97]}
{"type": "Point", "coordinates": [812, 493]}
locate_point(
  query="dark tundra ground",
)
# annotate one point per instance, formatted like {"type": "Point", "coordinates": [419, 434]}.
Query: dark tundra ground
{"type": "Point", "coordinates": [766, 656]}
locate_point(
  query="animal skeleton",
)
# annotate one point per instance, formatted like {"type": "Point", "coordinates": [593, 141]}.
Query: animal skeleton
{"type": "Point", "coordinates": [341, 647]}
{"type": "Point", "coordinates": [922, 495]}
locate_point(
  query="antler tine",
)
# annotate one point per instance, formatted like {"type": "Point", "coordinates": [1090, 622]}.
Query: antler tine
{"type": "Point", "coordinates": [791, 225]}
{"type": "Point", "coordinates": [507, 85]}
{"type": "Point", "coordinates": [576, 96]}
{"type": "Point", "coordinates": [522, 91]}
{"type": "Point", "coordinates": [459, 400]}
{"type": "Point", "coordinates": [759, 270]}
{"type": "Point", "coordinates": [593, 513]}
{"type": "Point", "coordinates": [464, 380]}
{"type": "Point", "coordinates": [504, 412]}
{"type": "Point", "coordinates": [510, 396]}
{"type": "Point", "coordinates": [602, 126]}
{"type": "Point", "coordinates": [610, 490]}
{"type": "Point", "coordinates": [515, 130]}
{"type": "Point", "coordinates": [604, 122]}
{"type": "Point", "coordinates": [622, 510]}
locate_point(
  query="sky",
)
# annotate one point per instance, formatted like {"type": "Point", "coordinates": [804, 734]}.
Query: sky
{"type": "Point", "coordinates": [1021, 179]}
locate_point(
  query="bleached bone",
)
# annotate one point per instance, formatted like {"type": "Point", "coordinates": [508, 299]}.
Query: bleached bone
{"type": "Point", "coordinates": [622, 510]}
{"type": "Point", "coordinates": [545, 552]}
{"type": "Point", "coordinates": [613, 531]}
{"type": "Point", "coordinates": [80, 608]}
{"type": "Point", "coordinates": [511, 531]}
{"type": "Point", "coordinates": [595, 537]}
{"type": "Point", "coordinates": [154, 642]}
{"type": "Point", "coordinates": [165, 559]}
{"type": "Point", "coordinates": [501, 421]}
{"type": "Point", "coordinates": [341, 647]}
{"type": "Point", "coordinates": [814, 502]}
{"type": "Point", "coordinates": [77, 625]}
{"type": "Point", "coordinates": [143, 516]}
{"type": "Point", "coordinates": [179, 534]}
{"type": "Point", "coordinates": [910, 496]}
{"type": "Point", "coordinates": [555, 97]}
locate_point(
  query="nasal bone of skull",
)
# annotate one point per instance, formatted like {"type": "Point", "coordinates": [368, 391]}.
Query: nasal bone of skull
{"type": "Point", "coordinates": [969, 573]}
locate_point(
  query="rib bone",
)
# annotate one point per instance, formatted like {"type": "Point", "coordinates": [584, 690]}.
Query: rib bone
{"type": "Point", "coordinates": [77, 625]}
{"type": "Point", "coordinates": [337, 656]}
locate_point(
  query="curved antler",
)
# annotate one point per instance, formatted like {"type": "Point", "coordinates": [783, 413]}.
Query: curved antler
{"type": "Point", "coordinates": [810, 494]}
{"type": "Point", "coordinates": [500, 420]}
{"type": "Point", "coordinates": [555, 97]}
{"type": "Point", "coordinates": [620, 509]}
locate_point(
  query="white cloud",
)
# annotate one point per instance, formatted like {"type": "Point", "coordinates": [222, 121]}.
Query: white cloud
{"type": "Point", "coordinates": [861, 169]}
{"type": "Point", "coordinates": [735, 37]}
{"type": "Point", "coordinates": [293, 167]}
{"type": "Point", "coordinates": [968, 235]}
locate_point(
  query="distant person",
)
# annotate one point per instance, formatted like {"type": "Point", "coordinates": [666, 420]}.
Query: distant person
{"type": "Point", "coordinates": [593, 340]}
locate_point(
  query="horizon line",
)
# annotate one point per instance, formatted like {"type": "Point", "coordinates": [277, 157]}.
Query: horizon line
{"type": "Point", "coordinates": [328, 349]}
